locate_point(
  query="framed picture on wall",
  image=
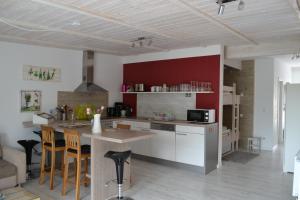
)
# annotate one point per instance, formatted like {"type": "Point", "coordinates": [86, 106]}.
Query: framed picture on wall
{"type": "Point", "coordinates": [30, 100]}
{"type": "Point", "coordinates": [47, 74]}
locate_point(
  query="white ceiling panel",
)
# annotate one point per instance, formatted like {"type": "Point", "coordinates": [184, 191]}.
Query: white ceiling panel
{"type": "Point", "coordinates": [111, 25]}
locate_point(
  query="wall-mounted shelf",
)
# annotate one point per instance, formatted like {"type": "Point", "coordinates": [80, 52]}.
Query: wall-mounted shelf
{"type": "Point", "coordinates": [187, 92]}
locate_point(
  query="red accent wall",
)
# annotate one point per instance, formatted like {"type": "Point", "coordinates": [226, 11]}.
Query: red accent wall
{"type": "Point", "coordinates": [176, 71]}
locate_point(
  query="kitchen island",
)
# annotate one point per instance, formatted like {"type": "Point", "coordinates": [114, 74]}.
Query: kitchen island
{"type": "Point", "coordinates": [103, 169]}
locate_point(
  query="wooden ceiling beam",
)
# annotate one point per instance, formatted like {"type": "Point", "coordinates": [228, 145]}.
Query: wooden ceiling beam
{"type": "Point", "coordinates": [75, 33]}
{"type": "Point", "coordinates": [97, 15]}
{"type": "Point", "coordinates": [29, 41]}
{"type": "Point", "coordinates": [266, 49]}
{"type": "Point", "coordinates": [213, 20]}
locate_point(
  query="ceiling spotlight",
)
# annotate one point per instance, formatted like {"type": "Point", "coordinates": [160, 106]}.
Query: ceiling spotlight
{"type": "Point", "coordinates": [142, 41]}
{"type": "Point", "coordinates": [221, 9]}
{"type": "Point", "coordinates": [241, 5]}
{"type": "Point", "coordinates": [221, 4]}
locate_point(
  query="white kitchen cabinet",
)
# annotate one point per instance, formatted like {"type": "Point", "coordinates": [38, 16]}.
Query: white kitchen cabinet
{"type": "Point", "coordinates": [190, 148]}
{"type": "Point", "coordinates": [190, 129]}
{"type": "Point", "coordinates": [122, 122]}
{"type": "Point", "coordinates": [141, 147]}
{"type": "Point", "coordinates": [162, 145]}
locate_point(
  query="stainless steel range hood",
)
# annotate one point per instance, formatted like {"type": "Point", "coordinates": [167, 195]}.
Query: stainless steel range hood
{"type": "Point", "coordinates": [87, 84]}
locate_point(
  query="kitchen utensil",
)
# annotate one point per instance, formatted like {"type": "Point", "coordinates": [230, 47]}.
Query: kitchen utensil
{"type": "Point", "coordinates": [141, 87]}
{"type": "Point", "coordinates": [123, 113]}
{"type": "Point", "coordinates": [153, 89]}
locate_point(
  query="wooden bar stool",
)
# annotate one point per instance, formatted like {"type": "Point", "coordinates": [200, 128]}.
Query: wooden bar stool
{"type": "Point", "coordinates": [78, 152]}
{"type": "Point", "coordinates": [51, 145]}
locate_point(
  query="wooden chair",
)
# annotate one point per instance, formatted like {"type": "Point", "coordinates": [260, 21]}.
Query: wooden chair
{"type": "Point", "coordinates": [51, 145]}
{"type": "Point", "coordinates": [78, 152]}
{"type": "Point", "coordinates": [123, 126]}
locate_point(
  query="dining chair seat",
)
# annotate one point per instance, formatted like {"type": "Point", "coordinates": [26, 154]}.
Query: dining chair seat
{"type": "Point", "coordinates": [85, 149]}
{"type": "Point", "coordinates": [58, 143]}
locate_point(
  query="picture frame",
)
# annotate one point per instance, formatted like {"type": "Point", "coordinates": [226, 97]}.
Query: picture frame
{"type": "Point", "coordinates": [45, 74]}
{"type": "Point", "coordinates": [31, 100]}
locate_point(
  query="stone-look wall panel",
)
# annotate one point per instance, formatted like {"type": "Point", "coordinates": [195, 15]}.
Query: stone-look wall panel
{"type": "Point", "coordinates": [245, 86]}
{"type": "Point", "coordinates": [73, 99]}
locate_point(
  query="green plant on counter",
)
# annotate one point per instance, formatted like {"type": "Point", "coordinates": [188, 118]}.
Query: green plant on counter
{"type": "Point", "coordinates": [80, 111]}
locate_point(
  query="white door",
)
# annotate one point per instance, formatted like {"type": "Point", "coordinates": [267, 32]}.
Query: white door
{"type": "Point", "coordinates": [292, 128]}
{"type": "Point", "coordinates": [162, 145]}
{"type": "Point", "coordinates": [190, 148]}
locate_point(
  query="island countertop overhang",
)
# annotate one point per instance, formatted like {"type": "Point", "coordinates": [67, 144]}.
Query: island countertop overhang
{"type": "Point", "coordinates": [120, 136]}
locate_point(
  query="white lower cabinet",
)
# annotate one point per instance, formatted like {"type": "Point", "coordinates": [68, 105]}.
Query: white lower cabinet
{"type": "Point", "coordinates": [190, 145]}
{"type": "Point", "coordinates": [141, 147]}
{"type": "Point", "coordinates": [186, 145]}
{"type": "Point", "coordinates": [190, 148]}
{"type": "Point", "coordinates": [162, 145]}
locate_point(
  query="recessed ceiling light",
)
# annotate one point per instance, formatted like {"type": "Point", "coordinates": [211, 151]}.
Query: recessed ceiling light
{"type": "Point", "coordinates": [75, 23]}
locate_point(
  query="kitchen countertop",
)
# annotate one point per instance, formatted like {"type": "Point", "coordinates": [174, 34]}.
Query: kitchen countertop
{"type": "Point", "coordinates": [176, 122]}
{"type": "Point", "coordinates": [29, 124]}
{"type": "Point", "coordinates": [120, 135]}
{"type": "Point", "coordinates": [109, 135]}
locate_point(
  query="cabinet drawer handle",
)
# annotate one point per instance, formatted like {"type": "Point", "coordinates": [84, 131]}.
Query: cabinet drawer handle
{"type": "Point", "coordinates": [181, 134]}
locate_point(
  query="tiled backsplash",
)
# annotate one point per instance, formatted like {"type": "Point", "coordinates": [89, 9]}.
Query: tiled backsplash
{"type": "Point", "coordinates": [178, 104]}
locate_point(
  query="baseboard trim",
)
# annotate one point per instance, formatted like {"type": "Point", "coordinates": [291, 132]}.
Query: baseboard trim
{"type": "Point", "coordinates": [168, 163]}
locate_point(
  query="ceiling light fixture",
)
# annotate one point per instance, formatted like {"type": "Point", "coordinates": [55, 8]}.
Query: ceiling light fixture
{"type": "Point", "coordinates": [221, 9]}
{"type": "Point", "coordinates": [142, 41]}
{"type": "Point", "coordinates": [296, 55]}
{"type": "Point", "coordinates": [222, 3]}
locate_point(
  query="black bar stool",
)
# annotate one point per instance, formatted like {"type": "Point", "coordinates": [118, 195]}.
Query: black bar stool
{"type": "Point", "coordinates": [119, 158]}
{"type": "Point", "coordinates": [28, 146]}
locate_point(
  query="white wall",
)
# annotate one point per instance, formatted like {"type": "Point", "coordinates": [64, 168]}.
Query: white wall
{"type": "Point", "coordinates": [268, 73]}
{"type": "Point", "coordinates": [283, 71]}
{"type": "Point", "coordinates": [295, 74]}
{"type": "Point", "coordinates": [12, 57]}
{"type": "Point", "coordinates": [109, 75]}
{"type": "Point", "coordinates": [264, 101]}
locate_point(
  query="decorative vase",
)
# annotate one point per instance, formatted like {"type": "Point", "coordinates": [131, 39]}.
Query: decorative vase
{"type": "Point", "coordinates": [97, 124]}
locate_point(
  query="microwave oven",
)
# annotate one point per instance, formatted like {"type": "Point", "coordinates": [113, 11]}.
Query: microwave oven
{"type": "Point", "coordinates": [202, 115]}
